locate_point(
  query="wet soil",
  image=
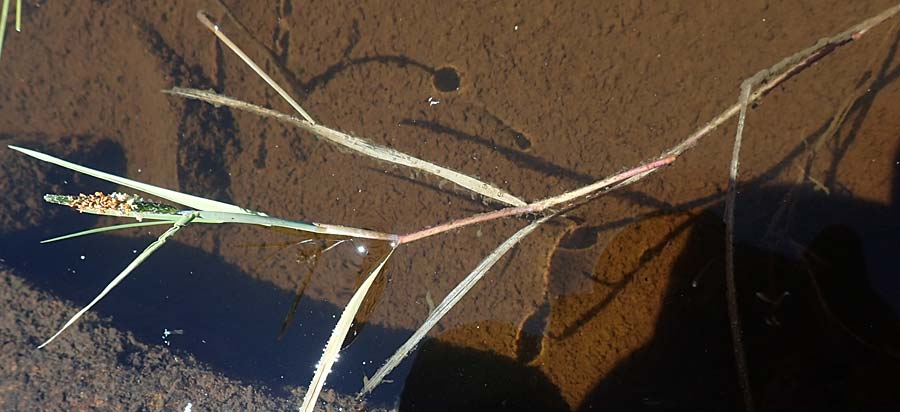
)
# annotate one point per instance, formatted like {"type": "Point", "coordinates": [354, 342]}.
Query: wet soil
{"type": "Point", "coordinates": [617, 305]}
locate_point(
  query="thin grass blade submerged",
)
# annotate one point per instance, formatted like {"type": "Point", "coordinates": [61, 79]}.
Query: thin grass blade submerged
{"type": "Point", "coordinates": [184, 221]}
{"type": "Point", "coordinates": [338, 335]}
{"type": "Point", "coordinates": [448, 303]}
{"type": "Point", "coordinates": [106, 229]}
{"type": "Point", "coordinates": [376, 290]}
{"type": "Point", "coordinates": [214, 27]}
{"type": "Point", "coordinates": [309, 253]}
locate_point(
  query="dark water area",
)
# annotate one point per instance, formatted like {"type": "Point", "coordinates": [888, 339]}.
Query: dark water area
{"type": "Point", "coordinates": [618, 305]}
{"type": "Point", "coordinates": [222, 317]}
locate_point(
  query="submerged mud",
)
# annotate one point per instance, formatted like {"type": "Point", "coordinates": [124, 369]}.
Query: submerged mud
{"type": "Point", "coordinates": [617, 305]}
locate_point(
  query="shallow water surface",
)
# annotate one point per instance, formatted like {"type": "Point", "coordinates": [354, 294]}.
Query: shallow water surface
{"type": "Point", "coordinates": [616, 305]}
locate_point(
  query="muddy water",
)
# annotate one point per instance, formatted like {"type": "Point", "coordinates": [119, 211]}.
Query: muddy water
{"type": "Point", "coordinates": [618, 305]}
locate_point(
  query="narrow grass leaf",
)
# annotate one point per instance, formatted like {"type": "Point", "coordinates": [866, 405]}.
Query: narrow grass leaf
{"type": "Point", "coordinates": [209, 211]}
{"type": "Point", "coordinates": [3, 14]}
{"type": "Point", "coordinates": [270, 221]}
{"type": "Point", "coordinates": [19, 15]}
{"type": "Point", "coordinates": [338, 335]}
{"type": "Point", "coordinates": [448, 303]}
{"type": "Point", "coordinates": [191, 201]}
{"type": "Point", "coordinates": [105, 229]}
{"type": "Point", "coordinates": [186, 219]}
{"type": "Point", "coordinates": [204, 18]}
{"type": "Point", "coordinates": [358, 144]}
{"type": "Point", "coordinates": [730, 287]}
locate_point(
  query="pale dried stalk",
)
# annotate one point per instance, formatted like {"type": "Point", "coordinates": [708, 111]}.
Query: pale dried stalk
{"type": "Point", "coordinates": [361, 145]}
{"type": "Point", "coordinates": [448, 303]}
{"type": "Point", "coordinates": [781, 71]}
{"type": "Point", "coordinates": [785, 69]}
{"type": "Point", "coordinates": [357, 144]}
{"type": "Point", "coordinates": [204, 18]}
{"type": "Point", "coordinates": [734, 318]}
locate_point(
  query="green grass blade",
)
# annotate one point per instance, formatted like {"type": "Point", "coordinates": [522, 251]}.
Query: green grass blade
{"type": "Point", "coordinates": [18, 15]}
{"type": "Point", "coordinates": [3, 14]}
{"type": "Point", "coordinates": [337, 338]}
{"type": "Point", "coordinates": [209, 211]}
{"type": "Point", "coordinates": [186, 219]}
{"type": "Point", "coordinates": [448, 303]}
{"type": "Point", "coordinates": [106, 229]}
{"type": "Point", "coordinates": [191, 201]}
{"type": "Point", "coordinates": [322, 228]}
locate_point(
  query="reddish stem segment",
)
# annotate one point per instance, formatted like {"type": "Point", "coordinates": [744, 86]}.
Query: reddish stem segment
{"type": "Point", "coordinates": [539, 206]}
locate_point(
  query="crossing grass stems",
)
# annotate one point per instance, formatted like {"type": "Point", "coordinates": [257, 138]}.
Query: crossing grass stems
{"type": "Point", "coordinates": [198, 210]}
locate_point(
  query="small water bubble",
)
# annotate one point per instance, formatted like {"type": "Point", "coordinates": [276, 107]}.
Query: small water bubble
{"type": "Point", "coordinates": [82, 257]}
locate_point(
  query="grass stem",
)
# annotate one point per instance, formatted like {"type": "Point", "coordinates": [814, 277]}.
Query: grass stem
{"type": "Point", "coordinates": [204, 18]}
